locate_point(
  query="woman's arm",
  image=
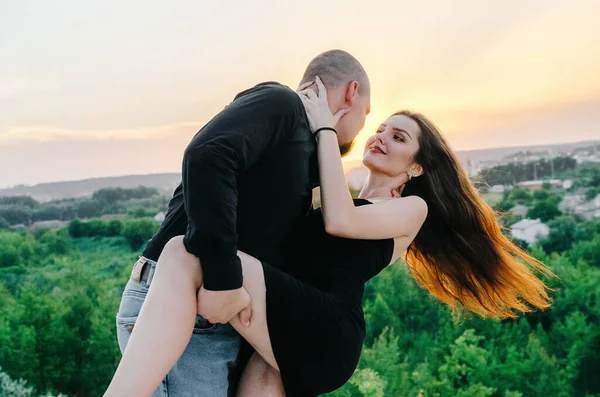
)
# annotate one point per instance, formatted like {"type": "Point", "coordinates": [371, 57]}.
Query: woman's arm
{"type": "Point", "coordinates": [395, 218]}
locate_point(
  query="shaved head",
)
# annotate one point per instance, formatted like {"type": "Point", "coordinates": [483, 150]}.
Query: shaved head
{"type": "Point", "coordinates": [337, 67]}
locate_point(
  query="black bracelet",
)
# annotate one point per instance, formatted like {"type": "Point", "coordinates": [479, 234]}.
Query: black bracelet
{"type": "Point", "coordinates": [323, 129]}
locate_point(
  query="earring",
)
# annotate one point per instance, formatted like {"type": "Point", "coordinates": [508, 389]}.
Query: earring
{"type": "Point", "coordinates": [410, 176]}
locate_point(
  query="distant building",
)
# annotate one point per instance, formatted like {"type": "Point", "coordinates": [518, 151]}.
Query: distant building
{"type": "Point", "coordinates": [570, 201]}
{"type": "Point", "coordinates": [52, 224]}
{"type": "Point", "coordinates": [520, 210]}
{"type": "Point", "coordinates": [589, 210]}
{"type": "Point", "coordinates": [581, 192]}
{"type": "Point", "coordinates": [537, 185]}
{"type": "Point", "coordinates": [159, 217]}
{"type": "Point", "coordinates": [567, 183]}
{"type": "Point", "coordinates": [587, 159]}
{"type": "Point", "coordinates": [497, 189]}
{"type": "Point", "coordinates": [529, 230]}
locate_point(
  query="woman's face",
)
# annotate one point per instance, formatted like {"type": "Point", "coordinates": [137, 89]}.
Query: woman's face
{"type": "Point", "coordinates": [392, 149]}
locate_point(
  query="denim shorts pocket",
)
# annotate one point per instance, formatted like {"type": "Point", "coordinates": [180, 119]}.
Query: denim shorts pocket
{"type": "Point", "coordinates": [124, 329]}
{"type": "Point", "coordinates": [133, 288]}
{"type": "Point", "coordinates": [203, 326]}
{"type": "Point", "coordinates": [132, 299]}
{"type": "Point", "coordinates": [126, 323]}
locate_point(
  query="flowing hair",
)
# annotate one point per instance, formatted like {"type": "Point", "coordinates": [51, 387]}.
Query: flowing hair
{"type": "Point", "coordinates": [460, 254]}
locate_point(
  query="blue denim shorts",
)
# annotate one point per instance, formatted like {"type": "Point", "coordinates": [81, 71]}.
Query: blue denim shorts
{"type": "Point", "coordinates": [205, 365]}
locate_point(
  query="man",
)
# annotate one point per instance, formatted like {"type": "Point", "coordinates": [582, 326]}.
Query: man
{"type": "Point", "coordinates": [247, 179]}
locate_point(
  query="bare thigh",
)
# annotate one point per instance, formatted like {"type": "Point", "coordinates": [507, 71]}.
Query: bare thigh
{"type": "Point", "coordinates": [187, 269]}
{"type": "Point", "coordinates": [257, 334]}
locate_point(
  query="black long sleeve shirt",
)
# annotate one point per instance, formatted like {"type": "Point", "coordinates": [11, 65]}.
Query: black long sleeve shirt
{"type": "Point", "coordinates": [247, 178]}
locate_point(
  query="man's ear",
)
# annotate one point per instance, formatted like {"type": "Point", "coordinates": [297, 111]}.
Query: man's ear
{"type": "Point", "coordinates": [351, 93]}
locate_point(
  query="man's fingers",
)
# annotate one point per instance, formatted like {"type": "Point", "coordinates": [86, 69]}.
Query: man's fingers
{"type": "Point", "coordinates": [245, 315]}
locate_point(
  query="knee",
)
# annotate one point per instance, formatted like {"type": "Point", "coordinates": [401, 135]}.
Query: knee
{"type": "Point", "coordinates": [177, 254]}
{"type": "Point", "coordinates": [271, 381]}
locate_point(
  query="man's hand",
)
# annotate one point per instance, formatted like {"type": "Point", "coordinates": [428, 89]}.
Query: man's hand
{"type": "Point", "coordinates": [222, 306]}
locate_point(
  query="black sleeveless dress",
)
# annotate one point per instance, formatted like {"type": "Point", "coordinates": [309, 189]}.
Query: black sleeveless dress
{"type": "Point", "coordinates": [314, 315]}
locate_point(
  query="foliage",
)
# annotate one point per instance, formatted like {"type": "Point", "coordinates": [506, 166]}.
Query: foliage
{"type": "Point", "coordinates": [60, 290]}
{"type": "Point", "coordinates": [513, 173]}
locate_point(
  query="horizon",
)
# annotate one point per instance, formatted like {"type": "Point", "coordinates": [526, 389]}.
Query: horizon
{"type": "Point", "coordinates": [88, 92]}
{"type": "Point", "coordinates": [346, 160]}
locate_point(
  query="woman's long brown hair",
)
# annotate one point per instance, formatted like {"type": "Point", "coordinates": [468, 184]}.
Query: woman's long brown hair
{"type": "Point", "coordinates": [460, 255]}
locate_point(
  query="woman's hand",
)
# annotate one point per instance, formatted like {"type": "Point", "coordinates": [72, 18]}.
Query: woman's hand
{"type": "Point", "coordinates": [396, 193]}
{"type": "Point", "coordinates": [317, 107]}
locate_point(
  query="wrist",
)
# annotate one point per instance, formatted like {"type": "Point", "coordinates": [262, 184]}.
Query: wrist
{"type": "Point", "coordinates": [322, 129]}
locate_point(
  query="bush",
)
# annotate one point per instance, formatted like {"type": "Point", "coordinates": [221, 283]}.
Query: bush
{"type": "Point", "coordinates": [114, 227]}
{"type": "Point", "coordinates": [141, 212]}
{"type": "Point", "coordinates": [9, 256]}
{"type": "Point", "coordinates": [56, 242]}
{"type": "Point", "coordinates": [139, 231]}
{"type": "Point", "coordinates": [92, 228]}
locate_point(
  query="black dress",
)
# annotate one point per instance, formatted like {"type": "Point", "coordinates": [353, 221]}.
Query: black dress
{"type": "Point", "coordinates": [314, 315]}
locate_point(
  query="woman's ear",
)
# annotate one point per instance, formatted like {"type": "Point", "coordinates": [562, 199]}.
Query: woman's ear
{"type": "Point", "coordinates": [416, 170]}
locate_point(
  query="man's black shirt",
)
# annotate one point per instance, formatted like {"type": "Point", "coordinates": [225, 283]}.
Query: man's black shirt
{"type": "Point", "coordinates": [247, 178]}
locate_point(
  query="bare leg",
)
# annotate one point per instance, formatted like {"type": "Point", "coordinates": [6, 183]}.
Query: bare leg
{"type": "Point", "coordinates": [164, 326]}
{"type": "Point", "coordinates": [260, 380]}
{"type": "Point", "coordinates": [166, 321]}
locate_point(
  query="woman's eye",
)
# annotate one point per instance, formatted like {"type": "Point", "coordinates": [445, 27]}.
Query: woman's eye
{"type": "Point", "coordinates": [398, 138]}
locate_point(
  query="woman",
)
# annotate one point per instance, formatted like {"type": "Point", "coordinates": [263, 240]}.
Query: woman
{"type": "Point", "coordinates": [307, 325]}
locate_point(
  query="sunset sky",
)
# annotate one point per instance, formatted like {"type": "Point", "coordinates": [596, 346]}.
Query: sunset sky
{"type": "Point", "coordinates": [105, 88]}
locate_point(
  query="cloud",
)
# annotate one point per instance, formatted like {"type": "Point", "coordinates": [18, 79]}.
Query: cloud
{"type": "Point", "coordinates": [19, 135]}
{"type": "Point", "coordinates": [17, 86]}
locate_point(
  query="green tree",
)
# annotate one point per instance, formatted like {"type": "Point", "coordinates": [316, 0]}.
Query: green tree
{"type": "Point", "coordinates": [588, 251]}
{"type": "Point", "coordinates": [545, 210]}
{"type": "Point", "coordinates": [541, 194]}
{"type": "Point", "coordinates": [592, 193]}
{"type": "Point", "coordinates": [25, 201]}
{"type": "Point", "coordinates": [46, 213]}
{"type": "Point", "coordinates": [89, 208]}
{"type": "Point", "coordinates": [16, 214]}
{"type": "Point", "coordinates": [521, 195]}
{"type": "Point", "coordinates": [562, 234]}
{"type": "Point", "coordinates": [4, 225]}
